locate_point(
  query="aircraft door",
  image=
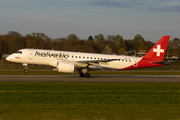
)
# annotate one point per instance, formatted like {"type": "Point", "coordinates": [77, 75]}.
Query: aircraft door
{"type": "Point", "coordinates": [31, 52]}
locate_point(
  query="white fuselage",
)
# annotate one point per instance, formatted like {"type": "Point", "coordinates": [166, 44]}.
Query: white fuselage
{"type": "Point", "coordinates": [50, 57]}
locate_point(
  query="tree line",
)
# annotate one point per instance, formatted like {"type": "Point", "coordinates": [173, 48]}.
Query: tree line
{"type": "Point", "coordinates": [13, 41]}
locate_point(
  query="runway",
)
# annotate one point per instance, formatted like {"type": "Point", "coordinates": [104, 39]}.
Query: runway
{"type": "Point", "coordinates": [95, 78]}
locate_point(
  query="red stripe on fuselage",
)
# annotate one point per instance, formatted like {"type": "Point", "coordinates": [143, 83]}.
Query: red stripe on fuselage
{"type": "Point", "coordinates": [17, 57]}
{"type": "Point", "coordinates": [143, 63]}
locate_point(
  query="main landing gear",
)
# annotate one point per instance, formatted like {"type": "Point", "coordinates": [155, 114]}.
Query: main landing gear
{"type": "Point", "coordinates": [87, 75]}
{"type": "Point", "coordinates": [84, 73]}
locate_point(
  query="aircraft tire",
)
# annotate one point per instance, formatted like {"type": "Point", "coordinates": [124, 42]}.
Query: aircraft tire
{"type": "Point", "coordinates": [81, 74]}
{"type": "Point", "coordinates": [25, 71]}
{"type": "Point", "coordinates": [87, 75]}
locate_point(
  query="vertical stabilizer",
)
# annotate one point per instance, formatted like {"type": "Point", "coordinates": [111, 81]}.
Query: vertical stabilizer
{"type": "Point", "coordinates": [159, 49]}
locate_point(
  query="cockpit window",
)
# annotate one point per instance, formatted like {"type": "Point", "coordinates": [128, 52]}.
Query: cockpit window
{"type": "Point", "coordinates": [18, 52]}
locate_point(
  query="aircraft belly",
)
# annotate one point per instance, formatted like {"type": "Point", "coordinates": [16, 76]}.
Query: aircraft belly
{"type": "Point", "coordinates": [115, 65]}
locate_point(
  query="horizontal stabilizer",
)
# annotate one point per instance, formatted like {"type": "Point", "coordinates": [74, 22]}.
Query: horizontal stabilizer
{"type": "Point", "coordinates": [163, 62]}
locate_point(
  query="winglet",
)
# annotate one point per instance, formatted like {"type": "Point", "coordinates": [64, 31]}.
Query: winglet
{"type": "Point", "coordinates": [159, 49]}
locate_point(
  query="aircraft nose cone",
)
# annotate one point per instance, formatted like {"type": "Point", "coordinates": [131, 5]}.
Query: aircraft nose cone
{"type": "Point", "coordinates": [9, 58]}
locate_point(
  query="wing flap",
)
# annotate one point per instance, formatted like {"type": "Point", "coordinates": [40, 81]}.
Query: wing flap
{"type": "Point", "coordinates": [97, 61]}
{"type": "Point", "coordinates": [93, 62]}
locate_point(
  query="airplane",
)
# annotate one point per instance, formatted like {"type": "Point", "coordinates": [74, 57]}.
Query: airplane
{"type": "Point", "coordinates": [69, 62]}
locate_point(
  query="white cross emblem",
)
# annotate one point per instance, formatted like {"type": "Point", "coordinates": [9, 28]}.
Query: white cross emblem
{"type": "Point", "coordinates": [158, 50]}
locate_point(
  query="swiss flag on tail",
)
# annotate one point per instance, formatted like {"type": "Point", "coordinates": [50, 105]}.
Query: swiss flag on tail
{"type": "Point", "coordinates": [159, 49]}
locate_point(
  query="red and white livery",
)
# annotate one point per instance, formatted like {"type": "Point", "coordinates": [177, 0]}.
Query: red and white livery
{"type": "Point", "coordinates": [68, 62]}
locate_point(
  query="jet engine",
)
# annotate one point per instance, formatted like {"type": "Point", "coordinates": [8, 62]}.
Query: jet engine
{"type": "Point", "coordinates": [65, 67]}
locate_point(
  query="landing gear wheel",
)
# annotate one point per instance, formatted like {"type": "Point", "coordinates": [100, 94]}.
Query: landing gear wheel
{"type": "Point", "coordinates": [25, 71]}
{"type": "Point", "coordinates": [81, 74]}
{"type": "Point", "coordinates": [87, 75]}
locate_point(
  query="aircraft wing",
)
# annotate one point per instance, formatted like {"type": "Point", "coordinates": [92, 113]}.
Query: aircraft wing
{"type": "Point", "coordinates": [86, 63]}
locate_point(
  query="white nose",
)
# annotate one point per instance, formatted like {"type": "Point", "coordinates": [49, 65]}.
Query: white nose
{"type": "Point", "coordinates": [9, 58]}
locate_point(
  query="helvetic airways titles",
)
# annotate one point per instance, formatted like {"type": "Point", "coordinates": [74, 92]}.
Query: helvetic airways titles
{"type": "Point", "coordinates": [48, 54]}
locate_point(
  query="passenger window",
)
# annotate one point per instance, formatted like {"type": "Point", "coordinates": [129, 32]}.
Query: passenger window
{"type": "Point", "coordinates": [83, 57]}
{"type": "Point", "coordinates": [79, 56]}
{"type": "Point", "coordinates": [94, 58]}
{"type": "Point", "coordinates": [87, 57]}
{"type": "Point", "coordinates": [91, 57]}
{"type": "Point", "coordinates": [76, 56]}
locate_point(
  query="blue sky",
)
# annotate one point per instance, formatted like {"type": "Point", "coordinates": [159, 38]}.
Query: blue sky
{"type": "Point", "coordinates": [58, 18]}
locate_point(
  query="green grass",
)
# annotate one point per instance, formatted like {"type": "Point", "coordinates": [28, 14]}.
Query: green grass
{"type": "Point", "coordinates": [82, 101]}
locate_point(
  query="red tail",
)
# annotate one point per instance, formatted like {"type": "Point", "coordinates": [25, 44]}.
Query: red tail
{"type": "Point", "coordinates": [154, 57]}
{"type": "Point", "coordinates": [159, 49]}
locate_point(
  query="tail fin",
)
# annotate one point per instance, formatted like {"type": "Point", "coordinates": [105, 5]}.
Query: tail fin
{"type": "Point", "coordinates": [159, 49]}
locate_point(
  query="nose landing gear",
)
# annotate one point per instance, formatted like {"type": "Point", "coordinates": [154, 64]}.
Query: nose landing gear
{"type": "Point", "coordinates": [26, 68]}
{"type": "Point", "coordinates": [26, 71]}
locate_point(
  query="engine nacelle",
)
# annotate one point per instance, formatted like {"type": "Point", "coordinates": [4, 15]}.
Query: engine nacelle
{"type": "Point", "coordinates": [65, 67]}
